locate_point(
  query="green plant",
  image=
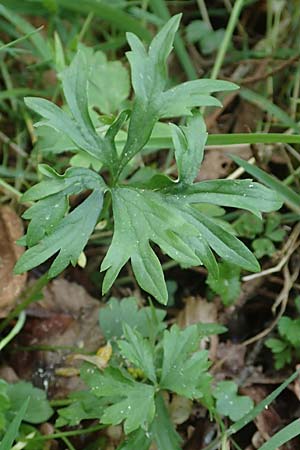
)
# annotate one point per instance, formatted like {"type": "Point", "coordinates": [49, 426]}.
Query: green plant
{"type": "Point", "coordinates": [147, 362]}
{"type": "Point", "coordinates": [159, 210]}
{"type": "Point", "coordinates": [263, 232]}
{"type": "Point", "coordinates": [227, 284]}
{"type": "Point", "coordinates": [208, 40]}
{"type": "Point", "coordinates": [13, 398]}
{"type": "Point", "coordinates": [287, 345]}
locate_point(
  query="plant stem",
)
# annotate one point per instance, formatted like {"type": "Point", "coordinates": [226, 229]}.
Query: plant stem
{"type": "Point", "coordinates": [204, 13]}
{"type": "Point", "coordinates": [16, 329]}
{"type": "Point", "coordinates": [236, 10]}
{"type": "Point", "coordinates": [62, 434]}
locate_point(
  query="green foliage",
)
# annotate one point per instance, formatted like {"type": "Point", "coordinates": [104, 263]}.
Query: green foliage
{"type": "Point", "coordinates": [263, 233]}
{"type": "Point", "coordinates": [13, 398]}
{"type": "Point", "coordinates": [288, 345]}
{"type": "Point", "coordinates": [50, 230]}
{"type": "Point", "coordinates": [160, 211]}
{"type": "Point", "coordinates": [84, 406]}
{"type": "Point", "coordinates": [13, 428]}
{"type": "Point", "coordinates": [228, 284]}
{"type": "Point", "coordinates": [147, 360]}
{"type": "Point", "coordinates": [109, 83]}
{"type": "Point", "coordinates": [208, 40]}
{"type": "Point", "coordinates": [148, 321]}
{"type": "Point", "coordinates": [229, 403]}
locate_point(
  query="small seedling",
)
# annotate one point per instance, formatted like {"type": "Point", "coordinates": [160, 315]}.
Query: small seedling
{"type": "Point", "coordinates": [287, 346]}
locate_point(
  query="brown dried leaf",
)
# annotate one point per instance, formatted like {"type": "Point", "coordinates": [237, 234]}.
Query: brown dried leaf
{"type": "Point", "coordinates": [11, 285]}
{"type": "Point", "coordinates": [231, 359]}
{"type": "Point", "coordinates": [268, 421]}
{"type": "Point", "coordinates": [197, 310]}
{"type": "Point", "coordinates": [216, 163]}
{"type": "Point", "coordinates": [180, 409]}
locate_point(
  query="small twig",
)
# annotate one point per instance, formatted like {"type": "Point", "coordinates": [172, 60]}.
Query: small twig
{"type": "Point", "coordinates": [281, 299]}
{"type": "Point", "coordinates": [288, 249]}
{"type": "Point", "coordinates": [279, 68]}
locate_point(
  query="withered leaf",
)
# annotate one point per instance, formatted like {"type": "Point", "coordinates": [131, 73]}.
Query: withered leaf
{"type": "Point", "coordinates": [11, 285]}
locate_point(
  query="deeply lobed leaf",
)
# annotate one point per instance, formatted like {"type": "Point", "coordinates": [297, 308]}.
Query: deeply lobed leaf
{"type": "Point", "coordinates": [50, 231]}
{"type": "Point", "coordinates": [162, 212]}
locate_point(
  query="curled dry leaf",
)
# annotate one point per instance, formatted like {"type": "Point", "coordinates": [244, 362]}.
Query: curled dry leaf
{"type": "Point", "coordinates": [11, 285]}
{"type": "Point", "coordinates": [100, 360]}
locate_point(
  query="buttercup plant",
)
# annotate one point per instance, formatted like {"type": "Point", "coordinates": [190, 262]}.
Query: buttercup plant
{"type": "Point", "coordinates": [159, 211]}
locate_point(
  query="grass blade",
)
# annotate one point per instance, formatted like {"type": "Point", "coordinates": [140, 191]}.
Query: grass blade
{"type": "Point", "coordinates": [13, 428]}
{"type": "Point", "coordinates": [290, 197]}
{"type": "Point", "coordinates": [41, 45]}
{"type": "Point", "coordinates": [261, 406]}
{"type": "Point", "coordinates": [110, 14]}
{"type": "Point", "coordinates": [223, 140]}
{"type": "Point", "coordinates": [289, 432]}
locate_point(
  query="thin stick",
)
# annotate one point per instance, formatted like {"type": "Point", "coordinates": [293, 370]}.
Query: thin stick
{"type": "Point", "coordinates": [289, 248]}
{"type": "Point", "coordinates": [281, 299]}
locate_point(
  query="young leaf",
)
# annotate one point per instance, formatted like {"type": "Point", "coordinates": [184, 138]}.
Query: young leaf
{"type": "Point", "coordinates": [128, 396]}
{"type": "Point", "coordinates": [85, 406]}
{"type": "Point", "coordinates": [148, 321]}
{"type": "Point", "coordinates": [38, 410]}
{"type": "Point", "coordinates": [50, 230]}
{"type": "Point", "coordinates": [136, 440]}
{"type": "Point", "coordinates": [189, 142]}
{"type": "Point", "coordinates": [68, 238]}
{"type": "Point", "coordinates": [263, 247]}
{"type": "Point", "coordinates": [138, 351]}
{"type": "Point", "coordinates": [109, 83]}
{"type": "Point", "coordinates": [282, 352]}
{"type": "Point", "coordinates": [149, 79]}
{"type": "Point", "coordinates": [184, 371]}
{"type": "Point", "coordinates": [229, 403]}
{"type": "Point", "coordinates": [290, 329]}
{"type": "Point", "coordinates": [78, 127]}
{"type": "Point", "coordinates": [228, 284]}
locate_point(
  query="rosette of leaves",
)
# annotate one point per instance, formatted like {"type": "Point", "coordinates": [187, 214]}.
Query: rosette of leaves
{"type": "Point", "coordinates": [160, 211]}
